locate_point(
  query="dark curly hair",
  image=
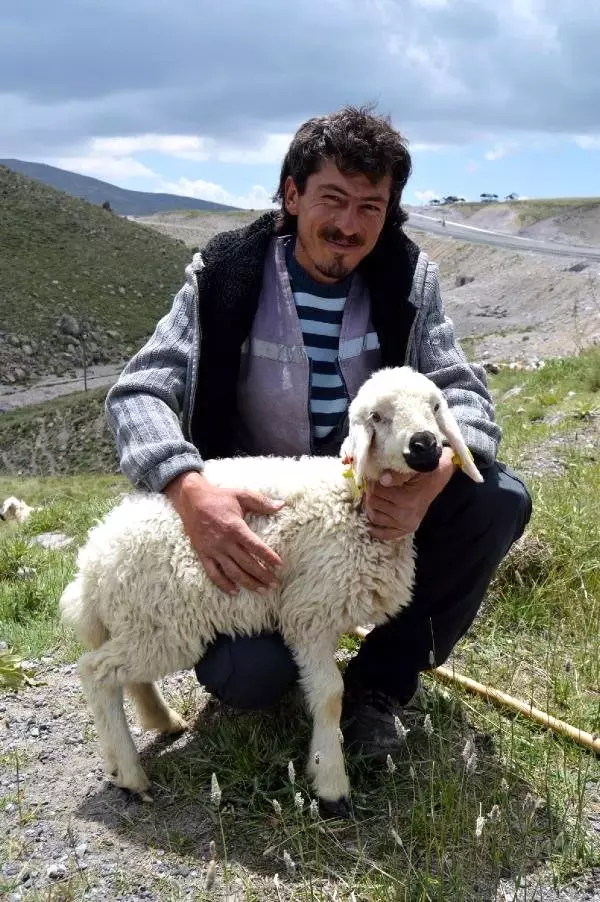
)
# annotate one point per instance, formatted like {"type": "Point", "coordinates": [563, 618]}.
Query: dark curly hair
{"type": "Point", "coordinates": [357, 141]}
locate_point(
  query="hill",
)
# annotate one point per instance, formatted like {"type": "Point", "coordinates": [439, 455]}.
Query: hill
{"type": "Point", "coordinates": [573, 220]}
{"type": "Point", "coordinates": [61, 256]}
{"type": "Point", "coordinates": [121, 200]}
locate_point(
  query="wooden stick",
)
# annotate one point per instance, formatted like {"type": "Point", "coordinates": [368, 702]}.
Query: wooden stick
{"type": "Point", "coordinates": [446, 675]}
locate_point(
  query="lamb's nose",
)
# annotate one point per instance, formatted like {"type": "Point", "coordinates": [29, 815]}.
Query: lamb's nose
{"type": "Point", "coordinates": [423, 444]}
{"type": "Point", "coordinates": [423, 452]}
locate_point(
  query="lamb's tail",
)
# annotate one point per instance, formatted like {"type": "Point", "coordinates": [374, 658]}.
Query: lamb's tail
{"type": "Point", "coordinates": [81, 616]}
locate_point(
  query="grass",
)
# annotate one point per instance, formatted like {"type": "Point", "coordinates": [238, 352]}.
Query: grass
{"type": "Point", "coordinates": [61, 255]}
{"type": "Point", "coordinates": [416, 835]}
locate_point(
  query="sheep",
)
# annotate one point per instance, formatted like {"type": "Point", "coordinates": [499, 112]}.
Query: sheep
{"type": "Point", "coordinates": [142, 602]}
{"type": "Point", "coordinates": [15, 509]}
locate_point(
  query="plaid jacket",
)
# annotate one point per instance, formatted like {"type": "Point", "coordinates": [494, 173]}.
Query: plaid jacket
{"type": "Point", "coordinates": [150, 408]}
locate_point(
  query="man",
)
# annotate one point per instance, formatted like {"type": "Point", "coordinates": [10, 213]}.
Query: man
{"type": "Point", "coordinates": [274, 331]}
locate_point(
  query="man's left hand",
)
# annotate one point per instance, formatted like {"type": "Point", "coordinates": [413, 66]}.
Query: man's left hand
{"type": "Point", "coordinates": [396, 505]}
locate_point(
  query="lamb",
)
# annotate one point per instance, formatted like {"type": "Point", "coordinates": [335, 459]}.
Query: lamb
{"type": "Point", "coordinates": [15, 509]}
{"type": "Point", "coordinates": [142, 602]}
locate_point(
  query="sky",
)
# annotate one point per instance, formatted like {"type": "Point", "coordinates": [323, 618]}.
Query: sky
{"type": "Point", "coordinates": [202, 98]}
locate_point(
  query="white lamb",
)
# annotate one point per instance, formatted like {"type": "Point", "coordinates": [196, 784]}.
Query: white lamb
{"type": "Point", "coordinates": [15, 509]}
{"type": "Point", "coordinates": [143, 602]}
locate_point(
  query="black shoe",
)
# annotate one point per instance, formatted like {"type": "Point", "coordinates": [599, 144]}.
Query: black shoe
{"type": "Point", "coordinates": [371, 723]}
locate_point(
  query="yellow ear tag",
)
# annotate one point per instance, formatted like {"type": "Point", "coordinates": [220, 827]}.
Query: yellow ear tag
{"type": "Point", "coordinates": [357, 490]}
{"type": "Point", "coordinates": [456, 460]}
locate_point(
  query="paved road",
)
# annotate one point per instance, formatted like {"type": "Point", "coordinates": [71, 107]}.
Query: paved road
{"type": "Point", "coordinates": [463, 232]}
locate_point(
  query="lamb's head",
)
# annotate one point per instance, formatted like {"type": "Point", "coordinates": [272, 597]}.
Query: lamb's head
{"type": "Point", "coordinates": [398, 421]}
{"type": "Point", "coordinates": [12, 509]}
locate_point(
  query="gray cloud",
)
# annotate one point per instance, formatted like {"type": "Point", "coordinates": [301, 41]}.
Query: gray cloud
{"type": "Point", "coordinates": [234, 70]}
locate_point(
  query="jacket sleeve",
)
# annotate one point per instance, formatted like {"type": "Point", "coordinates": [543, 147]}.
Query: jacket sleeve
{"type": "Point", "coordinates": [145, 407]}
{"type": "Point", "coordinates": [464, 384]}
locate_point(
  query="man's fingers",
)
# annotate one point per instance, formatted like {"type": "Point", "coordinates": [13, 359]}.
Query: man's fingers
{"type": "Point", "coordinates": [248, 563]}
{"type": "Point", "coordinates": [238, 576]}
{"type": "Point", "coordinates": [255, 547]}
{"type": "Point", "coordinates": [391, 478]}
{"type": "Point", "coordinates": [383, 505]}
{"type": "Point", "coordinates": [216, 575]}
{"type": "Point", "coordinates": [259, 504]}
{"type": "Point", "coordinates": [384, 534]}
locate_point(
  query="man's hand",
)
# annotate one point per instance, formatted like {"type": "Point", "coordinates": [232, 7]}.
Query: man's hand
{"type": "Point", "coordinates": [396, 505]}
{"type": "Point", "coordinates": [213, 518]}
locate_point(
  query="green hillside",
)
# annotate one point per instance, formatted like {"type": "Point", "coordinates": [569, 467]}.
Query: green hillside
{"type": "Point", "coordinates": [61, 255]}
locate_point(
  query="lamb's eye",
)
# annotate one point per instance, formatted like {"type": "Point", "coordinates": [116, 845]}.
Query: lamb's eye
{"type": "Point", "coordinates": [436, 408]}
{"type": "Point", "coordinates": [376, 417]}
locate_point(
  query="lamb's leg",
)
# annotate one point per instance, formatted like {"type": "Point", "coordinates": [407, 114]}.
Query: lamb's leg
{"type": "Point", "coordinates": [103, 673]}
{"type": "Point", "coordinates": [153, 711]}
{"type": "Point", "coordinates": [323, 686]}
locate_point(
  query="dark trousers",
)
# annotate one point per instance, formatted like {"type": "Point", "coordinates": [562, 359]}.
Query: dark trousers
{"type": "Point", "coordinates": [467, 531]}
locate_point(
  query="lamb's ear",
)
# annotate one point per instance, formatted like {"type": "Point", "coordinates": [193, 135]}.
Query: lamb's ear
{"type": "Point", "coordinates": [450, 428]}
{"type": "Point", "coordinates": [356, 447]}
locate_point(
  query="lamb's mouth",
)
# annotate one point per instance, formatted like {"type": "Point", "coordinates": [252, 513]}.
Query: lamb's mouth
{"type": "Point", "coordinates": [423, 463]}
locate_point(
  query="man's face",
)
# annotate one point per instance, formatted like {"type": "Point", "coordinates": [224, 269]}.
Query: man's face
{"type": "Point", "coordinates": [339, 220]}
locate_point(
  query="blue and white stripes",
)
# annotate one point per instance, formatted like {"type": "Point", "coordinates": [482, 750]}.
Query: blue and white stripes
{"type": "Point", "coordinates": [320, 310]}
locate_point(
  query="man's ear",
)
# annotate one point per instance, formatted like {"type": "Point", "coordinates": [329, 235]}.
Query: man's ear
{"type": "Point", "coordinates": [290, 196]}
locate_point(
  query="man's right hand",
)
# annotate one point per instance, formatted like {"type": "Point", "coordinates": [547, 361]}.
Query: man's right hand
{"type": "Point", "coordinates": [213, 518]}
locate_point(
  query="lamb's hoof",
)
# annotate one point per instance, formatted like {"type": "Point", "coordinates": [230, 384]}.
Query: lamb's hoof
{"type": "Point", "coordinates": [338, 809]}
{"type": "Point", "coordinates": [176, 725]}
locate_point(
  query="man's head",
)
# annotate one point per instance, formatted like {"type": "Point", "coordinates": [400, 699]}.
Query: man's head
{"type": "Point", "coordinates": [342, 177]}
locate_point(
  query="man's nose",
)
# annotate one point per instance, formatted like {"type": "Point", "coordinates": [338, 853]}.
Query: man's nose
{"type": "Point", "coordinates": [347, 221]}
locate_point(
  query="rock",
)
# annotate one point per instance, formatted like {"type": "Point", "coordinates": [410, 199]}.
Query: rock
{"type": "Point", "coordinates": [577, 267]}
{"type": "Point", "coordinates": [68, 325]}
{"type": "Point", "coordinates": [56, 872]}
{"type": "Point", "coordinates": [463, 280]}
{"type": "Point", "coordinates": [490, 367]}
{"type": "Point", "coordinates": [52, 540]}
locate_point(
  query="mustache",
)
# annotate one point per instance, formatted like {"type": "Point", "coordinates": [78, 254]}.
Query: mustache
{"type": "Point", "coordinates": [329, 234]}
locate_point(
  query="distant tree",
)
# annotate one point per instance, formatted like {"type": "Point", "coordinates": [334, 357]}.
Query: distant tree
{"type": "Point", "coordinates": [450, 199]}
{"type": "Point", "coordinates": [434, 202]}
{"type": "Point", "coordinates": [512, 196]}
{"type": "Point", "coordinates": [488, 198]}
{"type": "Point", "coordinates": [106, 206]}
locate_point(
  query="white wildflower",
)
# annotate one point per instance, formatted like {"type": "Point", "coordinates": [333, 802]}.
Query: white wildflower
{"type": "Point", "coordinates": [468, 750]}
{"type": "Point", "coordinates": [314, 809]}
{"type": "Point", "coordinates": [471, 765]}
{"type": "Point", "coordinates": [290, 865]}
{"type": "Point", "coordinates": [276, 807]}
{"type": "Point", "coordinates": [213, 850]}
{"type": "Point", "coordinates": [401, 730]}
{"type": "Point", "coordinates": [504, 785]}
{"type": "Point", "coordinates": [432, 663]}
{"type": "Point", "coordinates": [427, 725]}
{"type": "Point", "coordinates": [291, 772]}
{"type": "Point", "coordinates": [531, 804]}
{"type": "Point", "coordinates": [479, 826]}
{"type": "Point", "coordinates": [215, 791]}
{"type": "Point", "coordinates": [495, 814]}
{"type": "Point", "coordinates": [412, 773]}
{"type": "Point", "coordinates": [317, 758]}
{"type": "Point", "coordinates": [390, 764]}
{"type": "Point", "coordinates": [211, 873]}
{"type": "Point", "coordinates": [299, 802]}
{"type": "Point", "coordinates": [396, 837]}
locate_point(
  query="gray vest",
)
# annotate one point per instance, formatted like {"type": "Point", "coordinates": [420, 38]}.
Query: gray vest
{"type": "Point", "coordinates": [273, 394]}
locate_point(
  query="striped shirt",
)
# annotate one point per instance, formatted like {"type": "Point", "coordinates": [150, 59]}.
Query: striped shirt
{"type": "Point", "coordinates": [320, 310]}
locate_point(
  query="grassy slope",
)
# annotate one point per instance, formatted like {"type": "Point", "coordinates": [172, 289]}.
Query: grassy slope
{"type": "Point", "coordinates": [537, 638]}
{"type": "Point", "coordinates": [61, 255]}
{"type": "Point", "coordinates": [529, 211]}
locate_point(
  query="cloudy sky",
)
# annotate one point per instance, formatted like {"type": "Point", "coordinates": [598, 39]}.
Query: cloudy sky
{"type": "Point", "coordinates": [201, 98]}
